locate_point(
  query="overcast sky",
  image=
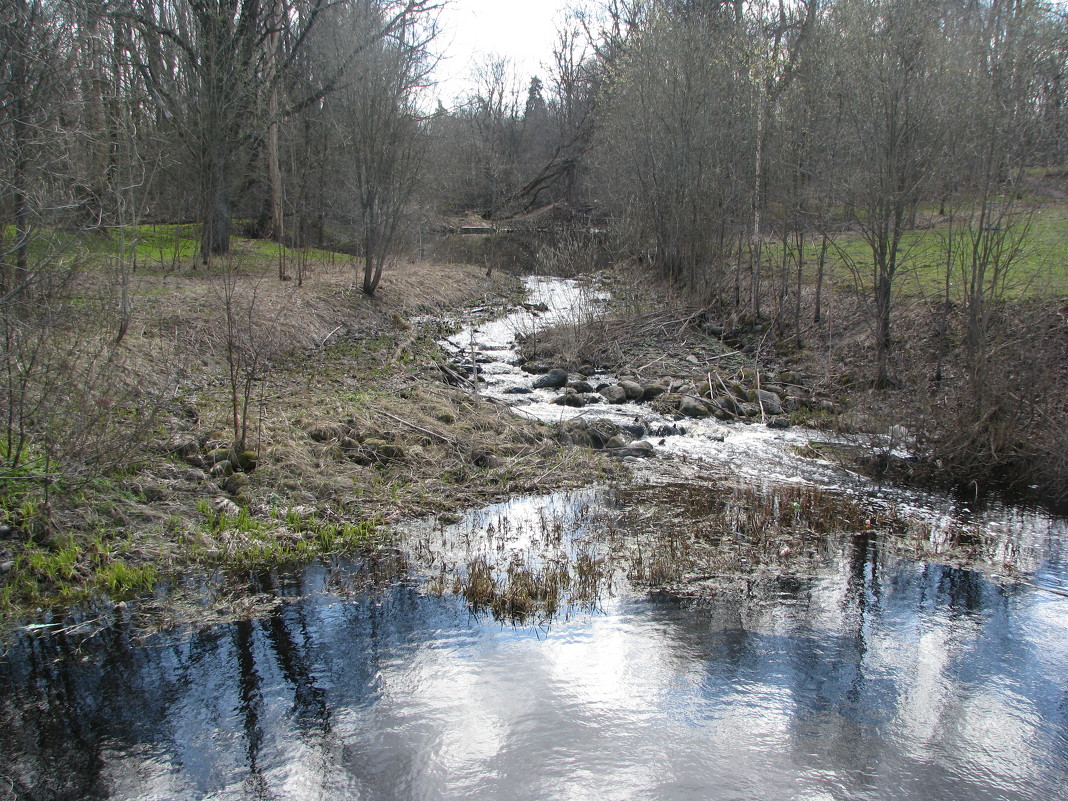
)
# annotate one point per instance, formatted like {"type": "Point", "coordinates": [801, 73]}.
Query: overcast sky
{"type": "Point", "coordinates": [471, 30]}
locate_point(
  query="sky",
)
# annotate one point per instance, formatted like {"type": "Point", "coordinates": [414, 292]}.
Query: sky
{"type": "Point", "coordinates": [473, 30]}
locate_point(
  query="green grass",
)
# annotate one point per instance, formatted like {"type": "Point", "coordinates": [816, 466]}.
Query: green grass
{"type": "Point", "coordinates": [152, 248]}
{"type": "Point", "coordinates": [1040, 271]}
{"type": "Point", "coordinates": [285, 537]}
{"type": "Point", "coordinates": [74, 568]}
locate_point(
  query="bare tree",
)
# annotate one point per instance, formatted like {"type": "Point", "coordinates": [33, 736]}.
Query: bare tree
{"type": "Point", "coordinates": [379, 132]}
{"type": "Point", "coordinates": [890, 65]}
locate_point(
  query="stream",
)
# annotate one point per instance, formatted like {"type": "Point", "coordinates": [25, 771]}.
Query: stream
{"type": "Point", "coordinates": [924, 660]}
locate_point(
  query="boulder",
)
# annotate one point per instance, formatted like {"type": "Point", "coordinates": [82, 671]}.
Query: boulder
{"type": "Point", "coordinates": [484, 458]}
{"type": "Point", "coordinates": [689, 406]}
{"type": "Point", "coordinates": [672, 430]}
{"type": "Point", "coordinates": [236, 483]}
{"type": "Point", "coordinates": [554, 379]}
{"type": "Point", "coordinates": [222, 469]}
{"type": "Point", "coordinates": [381, 451]}
{"type": "Point", "coordinates": [653, 390]}
{"type": "Point", "coordinates": [614, 394]}
{"type": "Point", "coordinates": [633, 389]}
{"type": "Point", "coordinates": [638, 450]}
{"type": "Point", "coordinates": [184, 445]}
{"type": "Point", "coordinates": [217, 455]}
{"type": "Point", "coordinates": [247, 461]}
{"type": "Point", "coordinates": [769, 401]}
{"type": "Point", "coordinates": [728, 404]}
{"type": "Point", "coordinates": [571, 398]}
{"type": "Point", "coordinates": [582, 386]}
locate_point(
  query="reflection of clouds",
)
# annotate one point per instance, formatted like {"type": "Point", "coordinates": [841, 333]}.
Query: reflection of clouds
{"type": "Point", "coordinates": [996, 733]}
{"type": "Point", "coordinates": [922, 709]}
{"type": "Point", "coordinates": [877, 678]}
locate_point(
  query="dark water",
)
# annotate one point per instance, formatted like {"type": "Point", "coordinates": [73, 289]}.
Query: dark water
{"type": "Point", "coordinates": [878, 678]}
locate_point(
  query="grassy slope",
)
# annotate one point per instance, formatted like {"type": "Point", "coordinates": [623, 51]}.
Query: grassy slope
{"type": "Point", "coordinates": [352, 427]}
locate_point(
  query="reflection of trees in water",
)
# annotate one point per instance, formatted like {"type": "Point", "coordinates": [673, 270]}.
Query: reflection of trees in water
{"type": "Point", "coordinates": [833, 661]}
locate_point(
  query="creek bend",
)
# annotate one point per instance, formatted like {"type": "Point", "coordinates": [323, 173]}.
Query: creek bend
{"type": "Point", "coordinates": [867, 665]}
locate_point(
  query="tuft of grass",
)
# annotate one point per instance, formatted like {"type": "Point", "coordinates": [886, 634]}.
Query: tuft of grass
{"type": "Point", "coordinates": [285, 537]}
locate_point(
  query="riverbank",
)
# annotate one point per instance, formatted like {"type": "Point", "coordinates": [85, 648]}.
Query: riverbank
{"type": "Point", "coordinates": [344, 412]}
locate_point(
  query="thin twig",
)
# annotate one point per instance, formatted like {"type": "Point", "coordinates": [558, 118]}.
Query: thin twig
{"type": "Point", "coordinates": [327, 337]}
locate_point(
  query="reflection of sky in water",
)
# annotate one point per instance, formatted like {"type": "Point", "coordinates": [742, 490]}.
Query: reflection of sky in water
{"type": "Point", "coordinates": [875, 680]}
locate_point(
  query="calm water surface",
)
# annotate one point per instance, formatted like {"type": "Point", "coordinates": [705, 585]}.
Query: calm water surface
{"type": "Point", "coordinates": [879, 678]}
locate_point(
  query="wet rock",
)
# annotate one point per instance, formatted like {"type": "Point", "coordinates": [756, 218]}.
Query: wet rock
{"type": "Point", "coordinates": [554, 379]}
{"type": "Point", "coordinates": [672, 430]}
{"type": "Point", "coordinates": [653, 390]}
{"type": "Point", "coordinates": [596, 434]}
{"type": "Point", "coordinates": [582, 386]}
{"type": "Point", "coordinates": [618, 441]}
{"type": "Point", "coordinates": [571, 398]}
{"type": "Point", "coordinates": [633, 390]}
{"type": "Point", "coordinates": [728, 404]}
{"type": "Point", "coordinates": [767, 400]}
{"type": "Point", "coordinates": [534, 368]}
{"type": "Point", "coordinates": [689, 406]}
{"type": "Point", "coordinates": [638, 450]}
{"type": "Point", "coordinates": [615, 394]}
{"type": "Point", "coordinates": [778, 422]}
{"type": "Point", "coordinates": [518, 391]}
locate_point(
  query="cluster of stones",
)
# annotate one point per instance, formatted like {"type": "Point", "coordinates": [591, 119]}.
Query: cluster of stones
{"type": "Point", "coordinates": [715, 397]}
{"type": "Point", "coordinates": [211, 456]}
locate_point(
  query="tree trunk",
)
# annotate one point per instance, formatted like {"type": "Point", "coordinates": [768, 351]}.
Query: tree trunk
{"type": "Point", "coordinates": [882, 332]}
{"type": "Point", "coordinates": [758, 208]}
{"type": "Point", "coordinates": [816, 315]}
{"type": "Point", "coordinates": [215, 233]}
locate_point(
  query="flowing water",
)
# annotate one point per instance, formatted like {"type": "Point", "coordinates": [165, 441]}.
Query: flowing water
{"type": "Point", "coordinates": [883, 664]}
